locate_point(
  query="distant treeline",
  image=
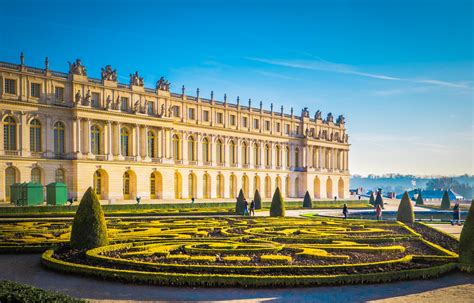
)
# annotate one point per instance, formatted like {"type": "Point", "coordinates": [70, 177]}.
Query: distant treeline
{"type": "Point", "coordinates": [463, 185]}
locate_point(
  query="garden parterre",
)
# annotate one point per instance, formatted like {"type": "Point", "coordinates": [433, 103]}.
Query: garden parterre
{"type": "Point", "coordinates": [240, 251]}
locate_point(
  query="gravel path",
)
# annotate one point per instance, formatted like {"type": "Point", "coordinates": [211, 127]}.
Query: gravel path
{"type": "Point", "coordinates": [26, 269]}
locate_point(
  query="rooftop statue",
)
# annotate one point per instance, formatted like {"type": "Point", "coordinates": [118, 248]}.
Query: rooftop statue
{"type": "Point", "coordinates": [317, 115]}
{"type": "Point", "coordinates": [305, 113]}
{"type": "Point", "coordinates": [163, 84]}
{"type": "Point", "coordinates": [87, 98]}
{"type": "Point", "coordinates": [341, 119]}
{"type": "Point", "coordinates": [77, 68]}
{"type": "Point", "coordinates": [136, 80]}
{"type": "Point", "coordinates": [108, 74]}
{"type": "Point", "coordinates": [330, 118]}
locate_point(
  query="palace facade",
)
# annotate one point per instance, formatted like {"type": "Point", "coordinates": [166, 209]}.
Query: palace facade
{"type": "Point", "coordinates": [127, 140]}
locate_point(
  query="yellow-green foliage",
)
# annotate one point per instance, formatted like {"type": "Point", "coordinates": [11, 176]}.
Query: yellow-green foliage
{"type": "Point", "coordinates": [89, 229]}
{"type": "Point", "coordinates": [275, 259]}
{"type": "Point", "coordinates": [466, 243]}
{"type": "Point", "coordinates": [307, 201]}
{"type": "Point", "coordinates": [277, 209]}
{"type": "Point", "coordinates": [405, 212]}
{"type": "Point", "coordinates": [236, 259]}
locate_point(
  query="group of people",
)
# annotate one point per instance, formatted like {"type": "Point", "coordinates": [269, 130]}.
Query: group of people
{"type": "Point", "coordinates": [249, 211]}
{"type": "Point", "coordinates": [378, 211]}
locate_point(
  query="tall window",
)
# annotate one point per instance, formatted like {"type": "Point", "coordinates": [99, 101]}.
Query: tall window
{"type": "Point", "coordinates": [233, 158]}
{"type": "Point", "coordinates": [95, 140]}
{"type": "Point", "coordinates": [219, 152]}
{"type": "Point", "coordinates": [10, 178]}
{"type": "Point", "coordinates": [177, 186]}
{"type": "Point", "coordinates": [35, 136]}
{"type": "Point", "coordinates": [191, 149]}
{"type": "Point", "coordinates": [59, 138]}
{"type": "Point", "coordinates": [124, 104]}
{"type": "Point", "coordinates": [9, 133]}
{"type": "Point", "coordinates": [245, 153]}
{"type": "Point", "coordinates": [35, 90]}
{"type": "Point", "coordinates": [287, 156]}
{"type": "Point", "coordinates": [297, 157]}
{"type": "Point", "coordinates": [95, 100]}
{"type": "Point", "coordinates": [10, 86]}
{"type": "Point", "coordinates": [219, 118]}
{"type": "Point", "coordinates": [59, 93]}
{"type": "Point", "coordinates": [206, 186]}
{"type": "Point", "coordinates": [268, 157]}
{"type": "Point", "coordinates": [59, 176]}
{"type": "Point", "coordinates": [191, 115]}
{"type": "Point", "coordinates": [232, 186]}
{"type": "Point", "coordinates": [192, 186]}
{"type": "Point", "coordinates": [149, 108]}
{"type": "Point", "coordinates": [205, 116]}
{"type": "Point", "coordinates": [278, 155]}
{"type": "Point", "coordinates": [256, 154]}
{"type": "Point", "coordinates": [220, 186]}
{"type": "Point", "coordinates": [36, 175]}
{"type": "Point", "coordinates": [126, 186]}
{"type": "Point", "coordinates": [245, 185]}
{"type": "Point", "coordinates": [152, 186]}
{"type": "Point", "coordinates": [176, 147]}
{"type": "Point", "coordinates": [124, 141]}
{"type": "Point", "coordinates": [151, 144]}
{"type": "Point", "coordinates": [205, 150]}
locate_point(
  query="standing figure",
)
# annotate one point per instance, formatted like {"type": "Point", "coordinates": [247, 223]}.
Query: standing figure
{"type": "Point", "coordinates": [378, 212]}
{"type": "Point", "coordinates": [456, 215]}
{"type": "Point", "coordinates": [345, 211]}
{"type": "Point", "coordinates": [246, 207]}
{"type": "Point", "coordinates": [252, 208]}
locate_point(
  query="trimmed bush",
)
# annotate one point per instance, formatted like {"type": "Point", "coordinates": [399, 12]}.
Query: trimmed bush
{"type": "Point", "coordinates": [89, 229]}
{"type": "Point", "coordinates": [371, 199]}
{"type": "Point", "coordinates": [379, 199]}
{"type": "Point", "coordinates": [405, 212]}
{"type": "Point", "coordinates": [16, 292]}
{"type": "Point", "coordinates": [466, 242]}
{"type": "Point", "coordinates": [257, 199]}
{"type": "Point", "coordinates": [277, 209]}
{"type": "Point", "coordinates": [445, 203]}
{"type": "Point", "coordinates": [307, 201]}
{"type": "Point", "coordinates": [240, 205]}
{"type": "Point", "coordinates": [419, 199]}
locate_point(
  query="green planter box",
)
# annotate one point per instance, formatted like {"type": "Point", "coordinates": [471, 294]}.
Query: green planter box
{"type": "Point", "coordinates": [56, 193]}
{"type": "Point", "coordinates": [31, 194]}
{"type": "Point", "coordinates": [15, 193]}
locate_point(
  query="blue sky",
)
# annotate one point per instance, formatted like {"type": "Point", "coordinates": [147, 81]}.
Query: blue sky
{"type": "Point", "coordinates": [402, 72]}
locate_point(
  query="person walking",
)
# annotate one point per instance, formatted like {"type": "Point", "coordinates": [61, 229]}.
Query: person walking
{"type": "Point", "coordinates": [246, 207]}
{"type": "Point", "coordinates": [252, 208]}
{"type": "Point", "coordinates": [138, 199]}
{"type": "Point", "coordinates": [345, 211]}
{"type": "Point", "coordinates": [192, 200]}
{"type": "Point", "coordinates": [378, 212]}
{"type": "Point", "coordinates": [456, 214]}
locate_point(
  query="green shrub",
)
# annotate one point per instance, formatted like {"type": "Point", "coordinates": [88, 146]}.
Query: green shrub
{"type": "Point", "coordinates": [371, 199]}
{"type": "Point", "coordinates": [466, 242]}
{"type": "Point", "coordinates": [419, 199]}
{"type": "Point", "coordinates": [445, 203]}
{"type": "Point", "coordinates": [277, 209]}
{"type": "Point", "coordinates": [307, 201]}
{"type": "Point", "coordinates": [379, 199]}
{"type": "Point", "coordinates": [257, 199]}
{"type": "Point", "coordinates": [405, 212]}
{"type": "Point", "coordinates": [89, 229]}
{"type": "Point", "coordinates": [15, 292]}
{"type": "Point", "coordinates": [240, 205]}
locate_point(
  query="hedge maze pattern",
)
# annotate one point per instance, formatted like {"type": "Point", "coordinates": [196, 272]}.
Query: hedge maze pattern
{"type": "Point", "coordinates": [246, 252]}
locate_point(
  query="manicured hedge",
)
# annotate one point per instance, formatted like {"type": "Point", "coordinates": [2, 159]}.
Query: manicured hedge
{"type": "Point", "coordinates": [11, 292]}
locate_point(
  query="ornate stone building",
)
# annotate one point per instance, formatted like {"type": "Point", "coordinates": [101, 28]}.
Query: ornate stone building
{"type": "Point", "coordinates": [127, 140]}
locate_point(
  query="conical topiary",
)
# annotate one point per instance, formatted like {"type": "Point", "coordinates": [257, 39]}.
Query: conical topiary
{"type": "Point", "coordinates": [371, 199]}
{"type": "Point", "coordinates": [240, 205]}
{"type": "Point", "coordinates": [405, 212]}
{"type": "Point", "coordinates": [379, 199]}
{"type": "Point", "coordinates": [277, 209]}
{"type": "Point", "coordinates": [89, 229]}
{"type": "Point", "coordinates": [257, 200]}
{"type": "Point", "coordinates": [419, 199]}
{"type": "Point", "coordinates": [466, 242]}
{"type": "Point", "coordinates": [445, 203]}
{"type": "Point", "coordinates": [307, 201]}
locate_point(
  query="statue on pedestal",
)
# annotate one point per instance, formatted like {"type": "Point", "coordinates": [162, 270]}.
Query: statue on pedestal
{"type": "Point", "coordinates": [77, 68]}
{"type": "Point", "coordinates": [77, 98]}
{"type": "Point", "coordinates": [136, 80]}
{"type": "Point", "coordinates": [108, 74]}
{"type": "Point", "coordinates": [330, 118]}
{"type": "Point", "coordinates": [317, 115]}
{"type": "Point", "coordinates": [163, 84]}
{"type": "Point", "coordinates": [87, 98]}
{"type": "Point", "coordinates": [108, 102]}
{"type": "Point", "coordinates": [341, 119]}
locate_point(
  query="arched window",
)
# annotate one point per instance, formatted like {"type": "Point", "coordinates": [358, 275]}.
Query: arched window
{"type": "Point", "coordinates": [278, 183]}
{"type": "Point", "coordinates": [278, 156]}
{"type": "Point", "coordinates": [35, 136]}
{"type": "Point", "coordinates": [256, 154]}
{"type": "Point", "coordinates": [97, 182]}
{"type": "Point", "coordinates": [268, 187]}
{"type": "Point", "coordinates": [297, 188]}
{"type": "Point", "coordinates": [59, 138]}
{"type": "Point", "coordinates": [297, 157]}
{"type": "Point", "coordinates": [232, 152]}
{"type": "Point", "coordinates": [206, 186]}
{"type": "Point", "coordinates": [152, 186]}
{"type": "Point", "coordinates": [245, 153]}
{"type": "Point", "coordinates": [191, 149]}
{"type": "Point", "coordinates": [245, 185]}
{"type": "Point", "coordinates": [9, 133]}
{"type": "Point", "coordinates": [10, 178]}
{"type": "Point", "coordinates": [232, 186]}
{"type": "Point", "coordinates": [59, 175]}
{"type": "Point", "coordinates": [36, 175]}
{"type": "Point", "coordinates": [220, 186]}
{"type": "Point", "coordinates": [124, 141]}
{"type": "Point", "coordinates": [126, 186]}
{"type": "Point", "coordinates": [268, 156]}
{"type": "Point", "coordinates": [176, 147]}
{"type": "Point", "coordinates": [151, 144]}
{"type": "Point", "coordinates": [192, 186]}
{"type": "Point", "coordinates": [219, 152]}
{"type": "Point", "coordinates": [177, 185]}
{"type": "Point", "coordinates": [256, 183]}
{"type": "Point", "coordinates": [95, 140]}
{"type": "Point", "coordinates": [156, 186]}
{"type": "Point", "coordinates": [287, 156]}
{"type": "Point", "coordinates": [205, 150]}
{"type": "Point", "coordinates": [287, 186]}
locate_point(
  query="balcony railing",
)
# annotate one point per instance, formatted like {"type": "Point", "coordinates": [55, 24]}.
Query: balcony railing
{"type": "Point", "coordinates": [178, 161]}
{"type": "Point", "coordinates": [100, 157]}
{"type": "Point", "coordinates": [157, 160]}
{"type": "Point", "coordinates": [130, 158]}
{"type": "Point", "coordinates": [192, 162]}
{"type": "Point", "coordinates": [207, 163]}
{"type": "Point", "coordinates": [245, 165]}
{"type": "Point", "coordinates": [234, 165]}
{"type": "Point", "coordinates": [12, 152]}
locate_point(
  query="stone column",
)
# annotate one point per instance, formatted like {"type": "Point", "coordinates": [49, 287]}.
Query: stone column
{"type": "Point", "coordinates": [109, 152]}
{"type": "Point", "coordinates": [146, 144]}
{"type": "Point", "coordinates": [119, 141]}
{"type": "Point", "coordinates": [136, 149]}
{"type": "Point", "coordinates": [88, 133]}
{"type": "Point", "coordinates": [24, 137]}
